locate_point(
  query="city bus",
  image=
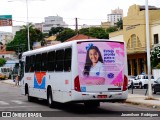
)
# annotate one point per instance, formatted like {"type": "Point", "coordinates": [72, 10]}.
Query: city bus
{"type": "Point", "coordinates": [5, 72]}
{"type": "Point", "coordinates": [84, 71]}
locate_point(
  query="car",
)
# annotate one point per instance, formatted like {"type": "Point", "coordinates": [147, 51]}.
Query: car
{"type": "Point", "coordinates": [156, 86]}
{"type": "Point", "coordinates": [141, 81]}
{"type": "Point", "coordinates": [130, 80]}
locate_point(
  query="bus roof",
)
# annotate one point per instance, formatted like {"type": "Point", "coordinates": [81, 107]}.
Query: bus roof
{"type": "Point", "coordinates": [60, 45]}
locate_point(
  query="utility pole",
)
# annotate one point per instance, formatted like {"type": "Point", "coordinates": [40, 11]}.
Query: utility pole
{"type": "Point", "coordinates": [76, 20]}
{"type": "Point", "coordinates": [28, 27]}
{"type": "Point", "coordinates": [148, 52]}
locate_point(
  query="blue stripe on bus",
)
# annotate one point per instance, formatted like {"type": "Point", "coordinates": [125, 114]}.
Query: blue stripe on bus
{"type": "Point", "coordinates": [39, 86]}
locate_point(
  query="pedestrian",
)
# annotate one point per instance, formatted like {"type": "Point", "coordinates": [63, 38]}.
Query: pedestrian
{"type": "Point", "coordinates": [16, 81]}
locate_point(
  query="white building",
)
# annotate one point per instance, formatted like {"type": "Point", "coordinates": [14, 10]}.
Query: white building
{"type": "Point", "coordinates": [5, 37]}
{"type": "Point", "coordinates": [53, 21]}
{"type": "Point", "coordinates": [115, 16]}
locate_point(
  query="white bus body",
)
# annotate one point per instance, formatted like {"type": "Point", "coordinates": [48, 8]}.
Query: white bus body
{"type": "Point", "coordinates": [63, 80]}
{"type": "Point", "coordinates": [6, 71]}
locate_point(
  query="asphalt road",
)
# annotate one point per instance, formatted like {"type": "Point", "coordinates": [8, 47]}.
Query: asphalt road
{"type": "Point", "coordinates": [12, 100]}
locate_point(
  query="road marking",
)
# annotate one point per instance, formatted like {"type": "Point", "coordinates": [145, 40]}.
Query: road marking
{"type": "Point", "coordinates": [18, 106]}
{"type": "Point", "coordinates": [3, 103]}
{"type": "Point", "coordinates": [17, 102]}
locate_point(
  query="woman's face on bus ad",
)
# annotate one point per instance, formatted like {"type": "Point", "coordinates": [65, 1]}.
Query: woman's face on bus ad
{"type": "Point", "coordinates": [93, 55]}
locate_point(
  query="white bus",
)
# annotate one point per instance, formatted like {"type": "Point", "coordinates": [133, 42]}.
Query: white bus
{"type": "Point", "coordinates": [87, 71]}
{"type": "Point", "coordinates": [6, 71]}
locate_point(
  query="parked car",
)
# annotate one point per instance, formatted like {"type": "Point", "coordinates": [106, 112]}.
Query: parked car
{"type": "Point", "coordinates": [156, 86]}
{"type": "Point", "coordinates": [130, 80]}
{"type": "Point", "coordinates": [141, 81]}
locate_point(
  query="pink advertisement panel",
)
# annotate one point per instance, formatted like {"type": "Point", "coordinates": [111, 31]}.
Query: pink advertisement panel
{"type": "Point", "coordinates": [101, 63]}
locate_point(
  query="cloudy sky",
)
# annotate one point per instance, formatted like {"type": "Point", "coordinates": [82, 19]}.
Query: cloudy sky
{"type": "Point", "coordinates": [90, 12]}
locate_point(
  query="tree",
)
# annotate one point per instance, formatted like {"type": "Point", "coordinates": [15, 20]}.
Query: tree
{"type": "Point", "coordinates": [65, 34]}
{"type": "Point", "coordinates": [84, 31]}
{"type": "Point", "coordinates": [21, 38]}
{"type": "Point", "coordinates": [155, 56]}
{"type": "Point", "coordinates": [2, 61]}
{"type": "Point", "coordinates": [111, 29]}
{"type": "Point", "coordinates": [55, 30]}
{"type": "Point", "coordinates": [120, 24]}
{"type": "Point", "coordinates": [96, 32]}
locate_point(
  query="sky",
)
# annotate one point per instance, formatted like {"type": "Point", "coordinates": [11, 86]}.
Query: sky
{"type": "Point", "coordinates": [89, 12]}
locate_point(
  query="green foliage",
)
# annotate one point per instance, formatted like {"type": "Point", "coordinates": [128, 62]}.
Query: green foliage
{"type": "Point", "coordinates": [111, 29]}
{"type": "Point", "coordinates": [84, 31]}
{"type": "Point", "coordinates": [65, 34]}
{"type": "Point", "coordinates": [155, 57]}
{"type": "Point", "coordinates": [2, 61]}
{"type": "Point", "coordinates": [120, 24]}
{"type": "Point", "coordinates": [96, 32]}
{"type": "Point", "coordinates": [55, 30]}
{"type": "Point", "coordinates": [20, 40]}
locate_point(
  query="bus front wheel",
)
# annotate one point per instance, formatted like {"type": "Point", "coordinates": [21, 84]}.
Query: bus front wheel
{"type": "Point", "coordinates": [30, 98]}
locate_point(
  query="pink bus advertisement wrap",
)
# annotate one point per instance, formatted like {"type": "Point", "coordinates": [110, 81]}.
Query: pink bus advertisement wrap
{"type": "Point", "coordinates": [101, 63]}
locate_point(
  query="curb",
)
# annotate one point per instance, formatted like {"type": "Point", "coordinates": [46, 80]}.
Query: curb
{"type": "Point", "coordinates": [11, 83]}
{"type": "Point", "coordinates": [155, 106]}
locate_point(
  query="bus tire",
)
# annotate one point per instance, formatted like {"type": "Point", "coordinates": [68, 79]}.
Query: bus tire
{"type": "Point", "coordinates": [50, 98]}
{"type": "Point", "coordinates": [30, 98]}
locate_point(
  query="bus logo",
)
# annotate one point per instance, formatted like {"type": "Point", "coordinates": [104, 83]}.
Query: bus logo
{"type": "Point", "coordinates": [40, 80]}
{"type": "Point", "coordinates": [110, 75]}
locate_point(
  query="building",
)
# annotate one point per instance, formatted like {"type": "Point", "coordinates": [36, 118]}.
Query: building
{"type": "Point", "coordinates": [52, 40]}
{"type": "Point", "coordinates": [107, 24]}
{"type": "Point", "coordinates": [15, 29]}
{"type": "Point", "coordinates": [53, 21]}
{"type": "Point", "coordinates": [80, 37]}
{"type": "Point", "coordinates": [134, 34]}
{"type": "Point", "coordinates": [38, 26]}
{"type": "Point", "coordinates": [113, 18]}
{"type": "Point", "coordinates": [5, 37]}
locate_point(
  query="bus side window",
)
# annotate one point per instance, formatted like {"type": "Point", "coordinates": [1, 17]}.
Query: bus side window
{"type": "Point", "coordinates": [38, 62]}
{"type": "Point", "coordinates": [59, 60]}
{"type": "Point", "coordinates": [67, 59]}
{"type": "Point", "coordinates": [32, 63]}
{"type": "Point", "coordinates": [27, 64]}
{"type": "Point", "coordinates": [51, 61]}
{"type": "Point", "coordinates": [44, 62]}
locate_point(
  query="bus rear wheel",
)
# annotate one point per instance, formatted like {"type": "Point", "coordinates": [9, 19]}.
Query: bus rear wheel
{"type": "Point", "coordinates": [50, 98]}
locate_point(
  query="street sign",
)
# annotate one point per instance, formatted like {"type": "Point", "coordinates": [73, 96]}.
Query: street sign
{"type": "Point", "coordinates": [5, 20]}
{"type": "Point", "coordinates": [2, 17]}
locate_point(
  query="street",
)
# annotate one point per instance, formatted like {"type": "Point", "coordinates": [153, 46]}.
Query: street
{"type": "Point", "coordinates": [12, 100]}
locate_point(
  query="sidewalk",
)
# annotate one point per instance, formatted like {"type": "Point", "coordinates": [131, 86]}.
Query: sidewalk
{"type": "Point", "coordinates": [9, 81]}
{"type": "Point", "coordinates": [135, 99]}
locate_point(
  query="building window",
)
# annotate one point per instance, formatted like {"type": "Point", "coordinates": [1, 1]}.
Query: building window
{"type": "Point", "coordinates": [156, 39]}
{"type": "Point", "coordinates": [133, 39]}
{"type": "Point", "coordinates": [139, 42]}
{"type": "Point", "coordinates": [129, 43]}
